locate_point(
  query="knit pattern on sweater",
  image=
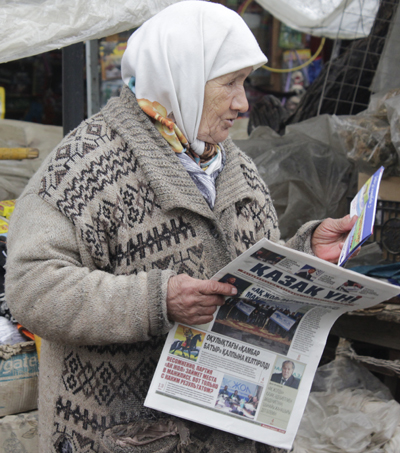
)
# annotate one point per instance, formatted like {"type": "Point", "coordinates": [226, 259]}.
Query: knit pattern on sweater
{"type": "Point", "coordinates": [134, 212]}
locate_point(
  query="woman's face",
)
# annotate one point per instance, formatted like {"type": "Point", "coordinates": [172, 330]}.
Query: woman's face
{"type": "Point", "coordinates": [224, 99]}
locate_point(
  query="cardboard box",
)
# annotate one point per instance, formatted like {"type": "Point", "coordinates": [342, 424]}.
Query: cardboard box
{"type": "Point", "coordinates": [18, 378]}
{"type": "Point", "coordinates": [19, 433]}
{"type": "Point", "coordinates": [6, 208]}
{"type": "Point", "coordinates": [3, 227]}
{"type": "Point", "coordinates": [389, 189]}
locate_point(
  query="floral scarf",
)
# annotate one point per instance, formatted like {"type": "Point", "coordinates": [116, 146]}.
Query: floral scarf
{"type": "Point", "coordinates": [202, 169]}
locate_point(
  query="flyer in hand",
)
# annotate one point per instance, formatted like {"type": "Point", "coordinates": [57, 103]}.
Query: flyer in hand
{"type": "Point", "coordinates": [249, 372]}
{"type": "Point", "coordinates": [363, 206]}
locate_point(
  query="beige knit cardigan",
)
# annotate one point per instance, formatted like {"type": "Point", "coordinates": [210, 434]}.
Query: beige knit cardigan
{"type": "Point", "coordinates": [109, 217]}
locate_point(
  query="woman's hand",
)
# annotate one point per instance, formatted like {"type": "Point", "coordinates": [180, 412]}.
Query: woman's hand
{"type": "Point", "coordinates": [191, 301]}
{"type": "Point", "coordinates": [328, 239]}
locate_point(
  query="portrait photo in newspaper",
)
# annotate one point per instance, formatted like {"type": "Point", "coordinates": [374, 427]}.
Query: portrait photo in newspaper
{"type": "Point", "coordinates": [307, 272]}
{"type": "Point", "coordinates": [285, 373]}
{"type": "Point", "coordinates": [281, 392]}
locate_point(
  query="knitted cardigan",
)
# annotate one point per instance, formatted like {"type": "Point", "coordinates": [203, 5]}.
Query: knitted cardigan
{"type": "Point", "coordinates": [109, 217]}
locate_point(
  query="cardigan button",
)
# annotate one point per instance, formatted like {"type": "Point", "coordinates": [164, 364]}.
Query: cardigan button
{"type": "Point", "coordinates": [214, 232]}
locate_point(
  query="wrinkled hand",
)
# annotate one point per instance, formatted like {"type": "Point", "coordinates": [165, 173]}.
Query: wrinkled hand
{"type": "Point", "coordinates": [191, 301]}
{"type": "Point", "coordinates": [328, 239]}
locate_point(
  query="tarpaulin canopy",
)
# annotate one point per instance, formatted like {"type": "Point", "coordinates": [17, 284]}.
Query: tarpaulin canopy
{"type": "Point", "coordinates": [343, 19]}
{"type": "Point", "coordinates": [30, 27]}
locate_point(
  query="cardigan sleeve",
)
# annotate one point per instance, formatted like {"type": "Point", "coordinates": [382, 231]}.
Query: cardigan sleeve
{"type": "Point", "coordinates": [302, 239]}
{"type": "Point", "coordinates": [55, 296]}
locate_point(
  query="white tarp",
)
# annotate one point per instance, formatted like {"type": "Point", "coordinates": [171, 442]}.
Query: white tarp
{"type": "Point", "coordinates": [30, 27]}
{"type": "Point", "coordinates": [342, 19]}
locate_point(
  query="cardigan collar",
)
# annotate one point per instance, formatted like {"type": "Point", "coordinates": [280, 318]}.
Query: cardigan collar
{"type": "Point", "coordinates": [171, 183]}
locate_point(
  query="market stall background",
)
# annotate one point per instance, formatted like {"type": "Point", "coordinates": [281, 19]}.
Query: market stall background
{"type": "Point", "coordinates": [322, 116]}
{"type": "Point", "coordinates": [28, 28]}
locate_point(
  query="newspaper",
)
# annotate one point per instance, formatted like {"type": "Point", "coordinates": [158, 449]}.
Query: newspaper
{"type": "Point", "coordinates": [228, 374]}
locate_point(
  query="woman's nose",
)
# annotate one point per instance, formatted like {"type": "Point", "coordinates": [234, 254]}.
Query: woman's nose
{"type": "Point", "coordinates": [239, 102]}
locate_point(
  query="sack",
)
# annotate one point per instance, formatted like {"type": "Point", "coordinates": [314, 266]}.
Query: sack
{"type": "Point", "coordinates": [19, 372]}
{"type": "Point", "coordinates": [19, 433]}
{"type": "Point", "coordinates": [348, 411]}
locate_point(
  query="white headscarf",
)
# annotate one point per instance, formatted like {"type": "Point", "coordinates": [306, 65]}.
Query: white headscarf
{"type": "Point", "coordinates": [177, 51]}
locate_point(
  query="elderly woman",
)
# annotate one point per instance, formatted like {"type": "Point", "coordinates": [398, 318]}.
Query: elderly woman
{"type": "Point", "coordinates": [117, 235]}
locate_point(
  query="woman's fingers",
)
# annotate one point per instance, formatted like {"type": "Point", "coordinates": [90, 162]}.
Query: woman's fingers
{"type": "Point", "coordinates": [209, 287]}
{"type": "Point", "coordinates": [193, 301]}
{"type": "Point", "coordinates": [328, 238]}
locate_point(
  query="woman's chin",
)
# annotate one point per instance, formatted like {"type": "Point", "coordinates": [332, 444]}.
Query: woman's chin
{"type": "Point", "coordinates": [214, 139]}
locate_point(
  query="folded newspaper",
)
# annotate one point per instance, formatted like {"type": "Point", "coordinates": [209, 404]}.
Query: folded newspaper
{"type": "Point", "coordinates": [249, 372]}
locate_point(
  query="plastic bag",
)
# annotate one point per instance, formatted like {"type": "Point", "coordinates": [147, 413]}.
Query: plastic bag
{"type": "Point", "coordinates": [372, 138]}
{"type": "Point", "coordinates": [32, 27]}
{"type": "Point", "coordinates": [348, 411]}
{"type": "Point", "coordinates": [377, 103]}
{"type": "Point", "coordinates": [366, 139]}
{"type": "Point", "coordinates": [392, 105]}
{"type": "Point", "coordinates": [336, 19]}
{"type": "Point", "coordinates": [9, 332]}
